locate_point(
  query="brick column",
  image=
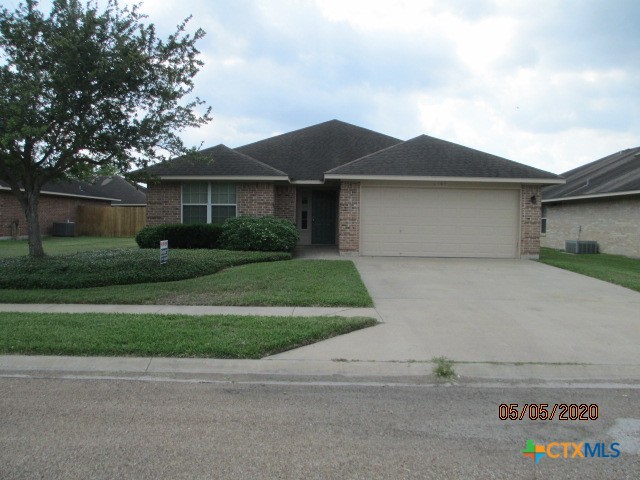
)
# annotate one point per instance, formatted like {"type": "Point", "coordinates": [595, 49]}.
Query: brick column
{"type": "Point", "coordinates": [349, 218]}
{"type": "Point", "coordinates": [530, 219]}
{"type": "Point", "coordinates": [285, 202]}
{"type": "Point", "coordinates": [255, 199]}
{"type": "Point", "coordinates": [164, 201]}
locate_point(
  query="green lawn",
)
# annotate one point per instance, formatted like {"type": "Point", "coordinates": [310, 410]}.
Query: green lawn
{"type": "Point", "coordinates": [216, 336]}
{"type": "Point", "coordinates": [610, 268]}
{"type": "Point", "coordinates": [65, 245]}
{"type": "Point", "coordinates": [324, 283]}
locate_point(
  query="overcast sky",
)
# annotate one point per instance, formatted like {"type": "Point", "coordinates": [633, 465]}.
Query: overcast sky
{"type": "Point", "coordinates": [553, 84]}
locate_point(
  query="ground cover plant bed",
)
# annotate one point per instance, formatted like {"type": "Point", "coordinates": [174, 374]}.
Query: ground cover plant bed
{"type": "Point", "coordinates": [616, 269]}
{"type": "Point", "coordinates": [304, 283]}
{"type": "Point", "coordinates": [120, 267]}
{"type": "Point", "coordinates": [216, 336]}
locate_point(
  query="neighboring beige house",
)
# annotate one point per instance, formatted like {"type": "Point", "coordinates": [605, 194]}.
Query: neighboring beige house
{"type": "Point", "coordinates": [363, 191]}
{"type": "Point", "coordinates": [599, 202]}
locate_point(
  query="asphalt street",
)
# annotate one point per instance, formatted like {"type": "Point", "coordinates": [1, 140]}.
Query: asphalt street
{"type": "Point", "coordinates": [269, 427]}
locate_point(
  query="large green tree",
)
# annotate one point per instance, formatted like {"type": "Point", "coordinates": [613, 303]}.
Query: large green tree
{"type": "Point", "coordinates": [84, 88]}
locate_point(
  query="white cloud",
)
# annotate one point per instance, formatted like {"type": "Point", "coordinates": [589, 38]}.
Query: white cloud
{"type": "Point", "coordinates": [551, 83]}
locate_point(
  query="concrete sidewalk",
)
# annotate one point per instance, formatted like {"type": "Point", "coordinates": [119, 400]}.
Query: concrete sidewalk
{"type": "Point", "coordinates": [192, 310]}
{"type": "Point", "coordinates": [334, 365]}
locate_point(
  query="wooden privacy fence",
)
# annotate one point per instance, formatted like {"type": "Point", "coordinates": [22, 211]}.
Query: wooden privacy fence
{"type": "Point", "coordinates": [110, 221]}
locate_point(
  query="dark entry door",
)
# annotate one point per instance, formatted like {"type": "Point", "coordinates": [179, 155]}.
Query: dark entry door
{"type": "Point", "coordinates": [323, 213]}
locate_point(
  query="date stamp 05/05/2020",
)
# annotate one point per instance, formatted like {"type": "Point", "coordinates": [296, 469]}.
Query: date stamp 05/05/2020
{"type": "Point", "coordinates": [545, 411]}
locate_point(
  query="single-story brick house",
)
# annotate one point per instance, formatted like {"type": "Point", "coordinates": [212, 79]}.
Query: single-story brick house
{"type": "Point", "coordinates": [600, 202]}
{"type": "Point", "coordinates": [59, 202]}
{"type": "Point", "coordinates": [366, 192]}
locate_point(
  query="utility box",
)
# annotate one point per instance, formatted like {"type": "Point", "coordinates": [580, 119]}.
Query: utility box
{"type": "Point", "coordinates": [64, 229]}
{"type": "Point", "coordinates": [580, 246]}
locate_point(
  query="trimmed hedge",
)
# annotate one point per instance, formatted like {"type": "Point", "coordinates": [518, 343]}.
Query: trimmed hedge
{"type": "Point", "coordinates": [265, 234]}
{"type": "Point", "coordinates": [194, 235]}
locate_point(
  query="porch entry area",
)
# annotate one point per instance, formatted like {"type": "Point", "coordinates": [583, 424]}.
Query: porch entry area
{"type": "Point", "coordinates": [317, 215]}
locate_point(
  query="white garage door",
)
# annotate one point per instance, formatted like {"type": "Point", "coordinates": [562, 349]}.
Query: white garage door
{"type": "Point", "coordinates": [439, 222]}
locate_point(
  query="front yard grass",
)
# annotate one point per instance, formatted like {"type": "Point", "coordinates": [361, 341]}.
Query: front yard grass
{"type": "Point", "coordinates": [616, 269]}
{"type": "Point", "coordinates": [304, 283]}
{"type": "Point", "coordinates": [217, 336]}
{"type": "Point", "coordinates": [65, 245]}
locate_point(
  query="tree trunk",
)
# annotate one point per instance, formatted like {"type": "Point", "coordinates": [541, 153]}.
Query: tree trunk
{"type": "Point", "coordinates": [33, 223]}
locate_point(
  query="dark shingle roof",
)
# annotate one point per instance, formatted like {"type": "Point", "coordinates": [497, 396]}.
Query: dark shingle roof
{"type": "Point", "coordinates": [619, 172]}
{"type": "Point", "coordinates": [215, 161]}
{"type": "Point", "coordinates": [70, 188]}
{"type": "Point", "coordinates": [307, 153]}
{"type": "Point", "coordinates": [426, 156]}
{"type": "Point", "coordinates": [117, 187]}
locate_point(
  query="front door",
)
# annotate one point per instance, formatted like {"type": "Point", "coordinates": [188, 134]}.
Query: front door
{"type": "Point", "coordinates": [323, 220]}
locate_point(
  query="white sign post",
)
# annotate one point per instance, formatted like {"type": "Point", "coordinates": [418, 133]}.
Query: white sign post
{"type": "Point", "coordinates": [164, 252]}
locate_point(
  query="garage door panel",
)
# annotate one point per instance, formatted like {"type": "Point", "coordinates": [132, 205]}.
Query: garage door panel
{"type": "Point", "coordinates": [439, 222]}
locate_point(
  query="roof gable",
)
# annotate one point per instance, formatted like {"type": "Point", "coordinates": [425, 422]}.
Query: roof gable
{"type": "Point", "coordinates": [307, 153]}
{"type": "Point", "coordinates": [215, 161]}
{"type": "Point", "coordinates": [425, 156]}
{"type": "Point", "coordinates": [117, 187]}
{"type": "Point", "coordinates": [616, 173]}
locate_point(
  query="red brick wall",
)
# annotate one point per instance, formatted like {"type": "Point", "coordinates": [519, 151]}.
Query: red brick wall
{"type": "Point", "coordinates": [255, 199]}
{"type": "Point", "coordinates": [164, 201]}
{"type": "Point", "coordinates": [530, 221]}
{"type": "Point", "coordinates": [349, 217]}
{"type": "Point", "coordinates": [51, 209]}
{"type": "Point", "coordinates": [285, 203]}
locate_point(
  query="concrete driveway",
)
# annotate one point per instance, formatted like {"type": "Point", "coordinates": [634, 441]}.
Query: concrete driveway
{"type": "Point", "coordinates": [478, 310]}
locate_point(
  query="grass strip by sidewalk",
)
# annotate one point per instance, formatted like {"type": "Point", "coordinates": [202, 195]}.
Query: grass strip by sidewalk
{"type": "Point", "coordinates": [616, 269]}
{"type": "Point", "coordinates": [303, 283]}
{"type": "Point", "coordinates": [215, 336]}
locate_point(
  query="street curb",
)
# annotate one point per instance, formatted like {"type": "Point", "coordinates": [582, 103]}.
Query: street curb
{"type": "Point", "coordinates": [311, 368]}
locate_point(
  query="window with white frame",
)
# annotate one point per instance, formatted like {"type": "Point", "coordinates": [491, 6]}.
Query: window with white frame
{"type": "Point", "coordinates": [223, 201]}
{"type": "Point", "coordinates": [195, 200]}
{"type": "Point", "coordinates": [204, 202]}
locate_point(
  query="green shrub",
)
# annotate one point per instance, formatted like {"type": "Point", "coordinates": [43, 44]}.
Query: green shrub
{"type": "Point", "coordinates": [194, 235]}
{"type": "Point", "coordinates": [266, 234]}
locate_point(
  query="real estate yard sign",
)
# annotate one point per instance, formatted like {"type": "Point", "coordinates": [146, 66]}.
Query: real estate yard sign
{"type": "Point", "coordinates": [164, 251]}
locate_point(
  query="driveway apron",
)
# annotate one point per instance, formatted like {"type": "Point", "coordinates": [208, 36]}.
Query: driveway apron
{"type": "Point", "coordinates": [487, 310]}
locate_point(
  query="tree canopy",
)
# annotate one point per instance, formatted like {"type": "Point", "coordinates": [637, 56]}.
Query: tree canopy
{"type": "Point", "coordinates": [85, 88]}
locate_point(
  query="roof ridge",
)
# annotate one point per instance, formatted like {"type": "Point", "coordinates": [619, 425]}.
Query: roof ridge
{"type": "Point", "coordinates": [367, 156]}
{"type": "Point", "coordinates": [249, 157]}
{"type": "Point", "coordinates": [297, 131]}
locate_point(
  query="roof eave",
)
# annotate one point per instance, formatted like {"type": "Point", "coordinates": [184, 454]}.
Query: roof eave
{"type": "Point", "coordinates": [74, 195]}
{"type": "Point", "coordinates": [307, 182]}
{"type": "Point", "coordinates": [536, 181]}
{"type": "Point", "coordinates": [239, 178]}
{"type": "Point", "coordinates": [593, 195]}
